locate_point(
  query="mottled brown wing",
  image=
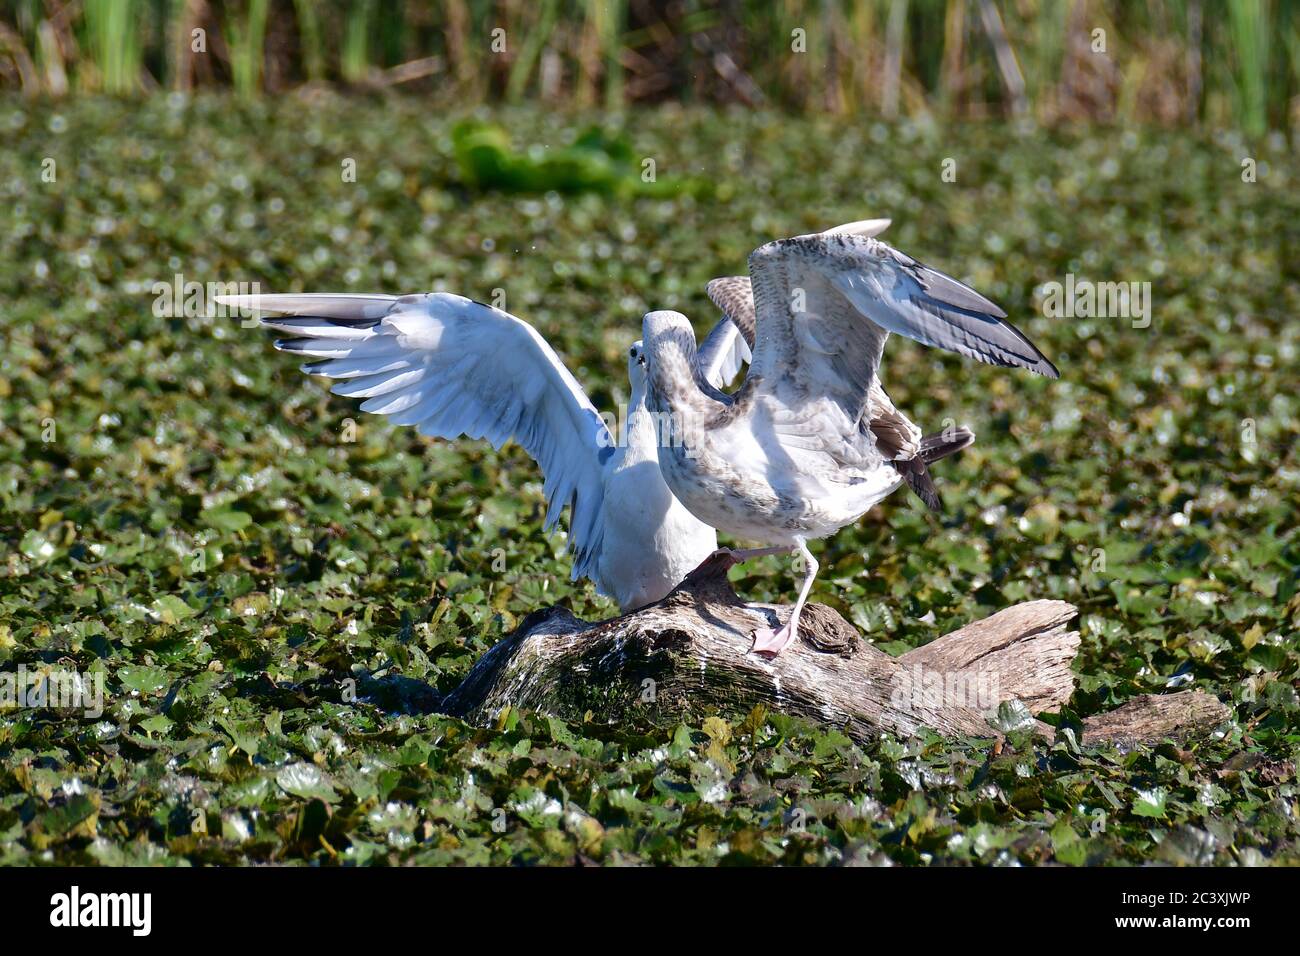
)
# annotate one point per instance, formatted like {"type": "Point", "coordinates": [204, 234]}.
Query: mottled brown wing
{"type": "Point", "coordinates": [734, 296]}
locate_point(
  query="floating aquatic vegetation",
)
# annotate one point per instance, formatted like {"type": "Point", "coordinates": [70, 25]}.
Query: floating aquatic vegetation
{"type": "Point", "coordinates": [596, 161]}
{"type": "Point", "coordinates": [275, 589]}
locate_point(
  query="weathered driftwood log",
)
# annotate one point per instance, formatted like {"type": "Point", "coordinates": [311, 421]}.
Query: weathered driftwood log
{"type": "Point", "coordinates": [690, 653]}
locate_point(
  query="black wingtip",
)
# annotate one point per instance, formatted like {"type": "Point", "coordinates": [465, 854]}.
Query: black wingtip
{"type": "Point", "coordinates": [1040, 364]}
{"type": "Point", "coordinates": [294, 345]}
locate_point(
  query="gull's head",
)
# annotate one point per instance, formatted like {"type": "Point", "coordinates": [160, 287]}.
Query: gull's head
{"type": "Point", "coordinates": [669, 340]}
{"type": "Point", "coordinates": [669, 353]}
{"type": "Point", "coordinates": [665, 327]}
{"type": "Point", "coordinates": [636, 366]}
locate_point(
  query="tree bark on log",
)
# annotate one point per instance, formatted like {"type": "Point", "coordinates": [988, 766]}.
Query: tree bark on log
{"type": "Point", "coordinates": [690, 653]}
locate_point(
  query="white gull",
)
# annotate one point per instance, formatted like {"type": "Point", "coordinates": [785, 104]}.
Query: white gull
{"type": "Point", "coordinates": [451, 366]}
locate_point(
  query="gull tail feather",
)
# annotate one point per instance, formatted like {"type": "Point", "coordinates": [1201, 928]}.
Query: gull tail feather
{"type": "Point", "coordinates": [945, 443]}
{"type": "Point", "coordinates": [916, 470]}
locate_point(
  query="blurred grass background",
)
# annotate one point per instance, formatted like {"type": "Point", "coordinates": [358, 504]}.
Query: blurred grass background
{"type": "Point", "coordinates": [1171, 62]}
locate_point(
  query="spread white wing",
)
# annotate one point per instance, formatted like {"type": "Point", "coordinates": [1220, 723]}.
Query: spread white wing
{"type": "Point", "coordinates": [451, 366]}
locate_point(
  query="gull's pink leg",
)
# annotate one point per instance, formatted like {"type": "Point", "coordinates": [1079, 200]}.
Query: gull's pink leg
{"type": "Point", "coordinates": [770, 642]}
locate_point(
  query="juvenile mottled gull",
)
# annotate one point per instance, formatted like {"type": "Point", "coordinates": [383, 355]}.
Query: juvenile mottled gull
{"type": "Point", "coordinates": [811, 441]}
{"type": "Point", "coordinates": [451, 366]}
{"type": "Point", "coordinates": [893, 431]}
